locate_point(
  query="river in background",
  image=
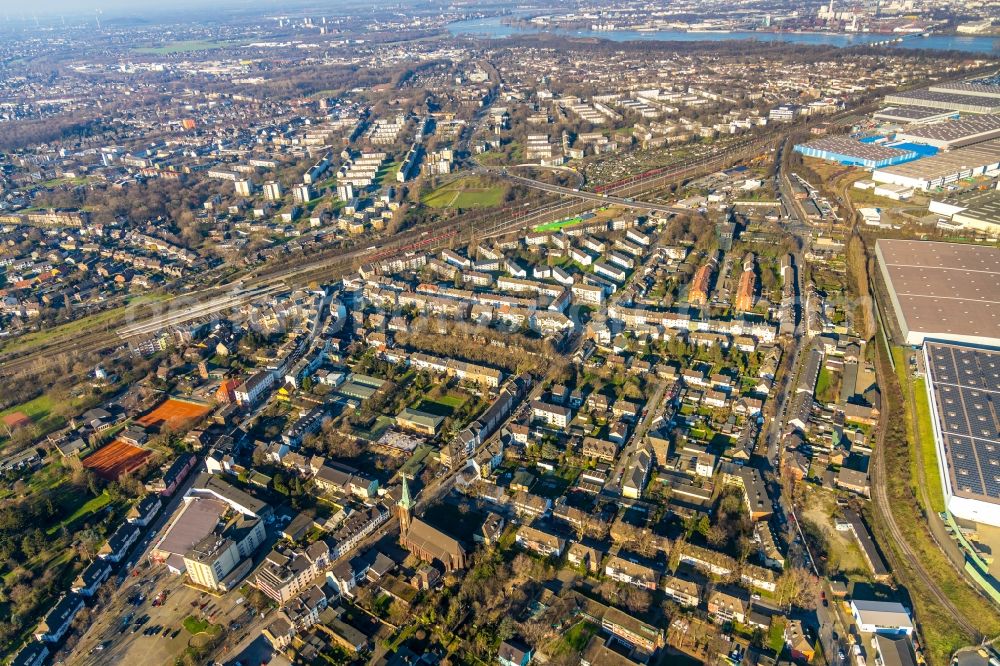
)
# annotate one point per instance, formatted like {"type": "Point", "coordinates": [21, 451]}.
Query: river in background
{"type": "Point", "coordinates": [494, 27]}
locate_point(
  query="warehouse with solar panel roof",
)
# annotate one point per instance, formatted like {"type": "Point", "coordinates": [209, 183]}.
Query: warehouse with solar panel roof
{"type": "Point", "coordinates": [945, 299]}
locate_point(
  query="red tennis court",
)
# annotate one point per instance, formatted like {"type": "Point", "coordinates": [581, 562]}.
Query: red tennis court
{"type": "Point", "coordinates": [118, 458]}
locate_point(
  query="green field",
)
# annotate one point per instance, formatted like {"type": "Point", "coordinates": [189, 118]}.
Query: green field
{"type": "Point", "coordinates": [452, 400]}
{"type": "Point", "coordinates": [36, 409]}
{"type": "Point", "coordinates": [561, 224]}
{"type": "Point", "coordinates": [443, 406]}
{"type": "Point", "coordinates": [195, 625]}
{"type": "Point", "coordinates": [573, 641]}
{"type": "Point", "coordinates": [928, 447]}
{"type": "Point", "coordinates": [433, 407]}
{"type": "Point", "coordinates": [86, 509]}
{"type": "Point", "coordinates": [79, 180]}
{"type": "Point", "coordinates": [465, 193]}
{"type": "Point", "coordinates": [823, 383]}
{"type": "Point", "coordinates": [67, 330]}
{"type": "Point", "coordinates": [186, 46]}
{"type": "Point", "coordinates": [387, 174]}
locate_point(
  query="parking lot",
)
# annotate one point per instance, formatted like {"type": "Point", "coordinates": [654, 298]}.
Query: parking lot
{"type": "Point", "coordinates": [144, 622]}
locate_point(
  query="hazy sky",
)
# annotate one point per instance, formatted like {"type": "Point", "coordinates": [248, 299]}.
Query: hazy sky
{"type": "Point", "coordinates": [16, 9]}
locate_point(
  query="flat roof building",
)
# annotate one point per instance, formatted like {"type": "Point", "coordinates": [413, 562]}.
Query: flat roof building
{"type": "Point", "coordinates": [983, 86]}
{"type": "Point", "coordinates": [873, 558]}
{"type": "Point", "coordinates": [850, 151]}
{"type": "Point", "coordinates": [951, 99]}
{"type": "Point", "coordinates": [210, 561]}
{"type": "Point", "coordinates": [955, 133]}
{"type": "Point", "coordinates": [890, 618]}
{"type": "Point", "coordinates": [977, 211]}
{"type": "Point", "coordinates": [912, 114]}
{"type": "Point", "coordinates": [942, 291]}
{"type": "Point", "coordinates": [963, 390]}
{"type": "Point", "coordinates": [943, 168]}
{"type": "Point", "coordinates": [212, 485]}
{"type": "Point", "coordinates": [193, 522]}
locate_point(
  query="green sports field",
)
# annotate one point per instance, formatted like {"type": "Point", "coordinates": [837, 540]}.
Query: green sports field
{"type": "Point", "coordinates": [465, 193]}
{"type": "Point", "coordinates": [561, 224]}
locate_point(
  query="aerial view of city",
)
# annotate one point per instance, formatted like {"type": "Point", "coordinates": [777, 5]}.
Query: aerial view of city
{"type": "Point", "coordinates": [451, 333]}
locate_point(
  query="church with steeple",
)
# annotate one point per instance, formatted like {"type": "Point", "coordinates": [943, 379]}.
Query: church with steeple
{"type": "Point", "coordinates": [404, 506]}
{"type": "Point", "coordinates": [428, 543]}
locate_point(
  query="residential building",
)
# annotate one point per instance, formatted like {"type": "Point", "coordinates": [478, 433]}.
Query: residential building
{"type": "Point", "coordinates": [210, 562]}
{"type": "Point", "coordinates": [540, 541]}
{"type": "Point", "coordinates": [555, 416]}
{"type": "Point", "coordinates": [32, 654]}
{"type": "Point", "coordinates": [514, 652]}
{"type": "Point", "coordinates": [91, 578]}
{"type": "Point", "coordinates": [728, 604]}
{"type": "Point", "coordinates": [143, 511]}
{"type": "Point", "coordinates": [631, 573]}
{"type": "Point", "coordinates": [682, 590]}
{"type": "Point", "coordinates": [57, 620]}
{"type": "Point", "coordinates": [118, 544]}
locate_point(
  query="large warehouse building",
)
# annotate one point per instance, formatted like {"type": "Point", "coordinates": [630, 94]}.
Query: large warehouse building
{"type": "Point", "coordinates": [913, 115]}
{"type": "Point", "coordinates": [983, 86]}
{"type": "Point", "coordinates": [948, 100]}
{"type": "Point", "coordinates": [963, 389]}
{"type": "Point", "coordinates": [848, 150]}
{"type": "Point", "coordinates": [943, 168]}
{"type": "Point", "coordinates": [954, 134]}
{"type": "Point", "coordinates": [942, 291]}
{"type": "Point", "coordinates": [977, 211]}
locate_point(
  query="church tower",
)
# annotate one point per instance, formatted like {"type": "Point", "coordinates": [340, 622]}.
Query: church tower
{"type": "Point", "coordinates": [405, 505]}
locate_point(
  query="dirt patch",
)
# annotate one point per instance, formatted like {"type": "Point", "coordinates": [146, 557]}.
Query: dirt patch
{"type": "Point", "coordinates": [819, 508]}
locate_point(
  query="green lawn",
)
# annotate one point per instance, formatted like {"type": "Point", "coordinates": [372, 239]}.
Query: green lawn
{"type": "Point", "coordinates": [443, 406]}
{"type": "Point", "coordinates": [388, 173]}
{"type": "Point", "coordinates": [92, 506]}
{"type": "Point", "coordinates": [39, 410]}
{"type": "Point", "coordinates": [574, 640]}
{"type": "Point", "coordinates": [465, 193]}
{"type": "Point", "coordinates": [776, 636]}
{"type": "Point", "coordinates": [195, 625]}
{"type": "Point", "coordinates": [65, 331]}
{"type": "Point", "coordinates": [79, 180]}
{"type": "Point", "coordinates": [36, 409]}
{"type": "Point", "coordinates": [928, 447]}
{"type": "Point", "coordinates": [556, 226]}
{"type": "Point", "coordinates": [452, 400]}
{"type": "Point", "coordinates": [823, 384]}
{"type": "Point", "coordinates": [433, 407]}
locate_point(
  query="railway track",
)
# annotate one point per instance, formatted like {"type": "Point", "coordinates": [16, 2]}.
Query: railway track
{"type": "Point", "coordinates": [882, 505]}
{"type": "Point", "coordinates": [323, 267]}
{"type": "Point", "coordinates": [463, 229]}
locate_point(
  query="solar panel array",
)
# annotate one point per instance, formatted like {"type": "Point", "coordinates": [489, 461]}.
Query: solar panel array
{"type": "Point", "coordinates": [966, 388]}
